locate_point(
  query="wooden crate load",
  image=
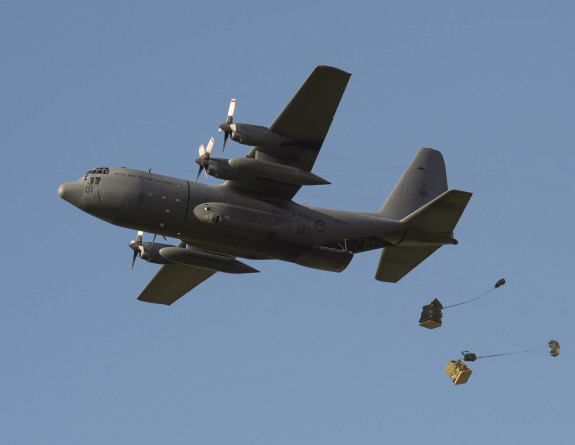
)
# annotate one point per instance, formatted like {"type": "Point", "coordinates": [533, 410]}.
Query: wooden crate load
{"type": "Point", "coordinates": [431, 315]}
{"type": "Point", "coordinates": [458, 371]}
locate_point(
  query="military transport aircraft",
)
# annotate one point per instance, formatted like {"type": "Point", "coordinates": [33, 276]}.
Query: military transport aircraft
{"type": "Point", "coordinates": [252, 214]}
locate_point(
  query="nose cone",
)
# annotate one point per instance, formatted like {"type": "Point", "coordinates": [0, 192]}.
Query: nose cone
{"type": "Point", "coordinates": [71, 192]}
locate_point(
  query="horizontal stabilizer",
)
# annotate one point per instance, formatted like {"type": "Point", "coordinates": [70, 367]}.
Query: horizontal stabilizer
{"type": "Point", "coordinates": [396, 262]}
{"type": "Point", "coordinates": [441, 214]}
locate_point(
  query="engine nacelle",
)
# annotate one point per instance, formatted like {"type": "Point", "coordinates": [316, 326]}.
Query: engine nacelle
{"type": "Point", "coordinates": [151, 253]}
{"type": "Point", "coordinates": [219, 168]}
{"type": "Point", "coordinates": [167, 254]}
{"type": "Point", "coordinates": [248, 134]}
{"type": "Point", "coordinates": [255, 224]}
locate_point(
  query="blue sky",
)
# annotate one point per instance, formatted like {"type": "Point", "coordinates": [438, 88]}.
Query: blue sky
{"type": "Point", "coordinates": [290, 355]}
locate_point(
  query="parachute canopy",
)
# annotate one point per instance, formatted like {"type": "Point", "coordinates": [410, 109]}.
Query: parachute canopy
{"type": "Point", "coordinates": [554, 345]}
{"type": "Point", "coordinates": [500, 283]}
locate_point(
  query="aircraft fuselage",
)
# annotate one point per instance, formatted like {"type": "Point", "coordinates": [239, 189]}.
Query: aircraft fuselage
{"type": "Point", "coordinates": [223, 220]}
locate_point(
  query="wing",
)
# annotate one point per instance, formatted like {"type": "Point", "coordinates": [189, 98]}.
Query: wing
{"type": "Point", "coordinates": [305, 119]}
{"type": "Point", "coordinates": [173, 281]}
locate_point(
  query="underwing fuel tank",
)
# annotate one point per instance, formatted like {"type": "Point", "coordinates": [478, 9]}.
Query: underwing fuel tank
{"type": "Point", "coordinates": [255, 224]}
{"type": "Point", "coordinates": [206, 260]}
{"type": "Point", "coordinates": [278, 172]}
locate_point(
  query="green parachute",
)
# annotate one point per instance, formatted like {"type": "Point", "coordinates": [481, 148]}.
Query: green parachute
{"type": "Point", "coordinates": [555, 349]}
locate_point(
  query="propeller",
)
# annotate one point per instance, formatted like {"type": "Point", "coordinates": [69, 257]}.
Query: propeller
{"type": "Point", "coordinates": [227, 127]}
{"type": "Point", "coordinates": [203, 160]}
{"type": "Point", "coordinates": [137, 247]}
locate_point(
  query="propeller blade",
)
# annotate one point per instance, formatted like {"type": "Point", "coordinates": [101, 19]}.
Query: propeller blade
{"type": "Point", "coordinates": [225, 140]}
{"type": "Point", "coordinates": [231, 110]}
{"type": "Point", "coordinates": [203, 159]}
{"type": "Point", "coordinates": [226, 126]}
{"type": "Point", "coordinates": [210, 146]}
{"type": "Point", "coordinates": [134, 259]}
{"type": "Point", "coordinates": [199, 172]}
{"type": "Point", "coordinates": [136, 246]}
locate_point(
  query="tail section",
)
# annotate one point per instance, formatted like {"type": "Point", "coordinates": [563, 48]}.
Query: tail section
{"type": "Point", "coordinates": [440, 215]}
{"type": "Point", "coordinates": [396, 262]}
{"type": "Point", "coordinates": [423, 180]}
{"type": "Point", "coordinates": [421, 201]}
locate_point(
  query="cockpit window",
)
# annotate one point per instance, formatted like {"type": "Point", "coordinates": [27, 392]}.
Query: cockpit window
{"type": "Point", "coordinates": [99, 171]}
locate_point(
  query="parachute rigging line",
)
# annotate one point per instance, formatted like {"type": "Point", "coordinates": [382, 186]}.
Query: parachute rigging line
{"type": "Point", "coordinates": [553, 345]}
{"type": "Point", "coordinates": [499, 283]}
{"type": "Point", "coordinates": [505, 353]}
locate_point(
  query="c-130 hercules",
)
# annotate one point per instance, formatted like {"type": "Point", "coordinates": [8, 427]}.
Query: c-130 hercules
{"type": "Point", "coordinates": [252, 214]}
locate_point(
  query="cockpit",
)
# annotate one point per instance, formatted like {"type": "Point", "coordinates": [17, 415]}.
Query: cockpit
{"type": "Point", "coordinates": [96, 180]}
{"type": "Point", "coordinates": [99, 171]}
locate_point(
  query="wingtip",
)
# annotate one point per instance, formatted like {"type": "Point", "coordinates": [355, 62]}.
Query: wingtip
{"type": "Point", "coordinates": [333, 68]}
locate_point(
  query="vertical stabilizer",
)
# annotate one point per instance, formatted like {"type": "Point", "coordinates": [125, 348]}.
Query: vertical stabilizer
{"type": "Point", "coordinates": [423, 180]}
